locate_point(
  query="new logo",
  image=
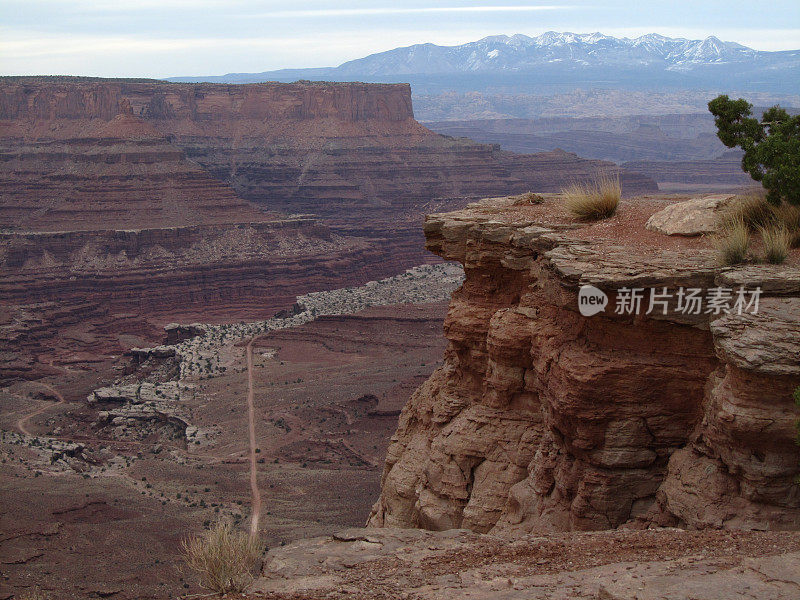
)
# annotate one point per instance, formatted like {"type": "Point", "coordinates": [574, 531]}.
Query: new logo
{"type": "Point", "coordinates": [591, 300]}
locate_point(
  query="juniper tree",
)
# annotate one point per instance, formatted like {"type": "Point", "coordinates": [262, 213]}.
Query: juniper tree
{"type": "Point", "coordinates": [771, 146]}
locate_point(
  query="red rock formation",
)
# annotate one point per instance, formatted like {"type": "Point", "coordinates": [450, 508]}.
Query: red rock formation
{"type": "Point", "coordinates": [320, 147]}
{"type": "Point", "coordinates": [541, 419]}
{"type": "Point", "coordinates": [151, 198]}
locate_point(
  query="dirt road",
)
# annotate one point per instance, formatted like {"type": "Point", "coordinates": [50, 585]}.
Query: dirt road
{"type": "Point", "coordinates": [21, 424]}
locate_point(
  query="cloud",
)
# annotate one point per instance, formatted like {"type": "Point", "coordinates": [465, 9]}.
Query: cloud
{"type": "Point", "coordinates": [365, 12]}
{"type": "Point", "coordinates": [31, 53]}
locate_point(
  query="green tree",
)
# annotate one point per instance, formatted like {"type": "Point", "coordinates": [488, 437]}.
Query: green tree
{"type": "Point", "coordinates": [771, 146]}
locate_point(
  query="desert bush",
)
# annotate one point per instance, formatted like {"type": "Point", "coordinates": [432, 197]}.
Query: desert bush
{"type": "Point", "coordinates": [223, 558]}
{"type": "Point", "coordinates": [789, 216]}
{"type": "Point", "coordinates": [776, 243]}
{"type": "Point", "coordinates": [732, 242]}
{"type": "Point", "coordinates": [595, 200]}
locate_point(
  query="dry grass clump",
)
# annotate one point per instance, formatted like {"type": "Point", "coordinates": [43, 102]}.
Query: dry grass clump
{"type": "Point", "coordinates": [527, 198]}
{"type": "Point", "coordinates": [758, 214]}
{"type": "Point", "coordinates": [751, 209]}
{"type": "Point", "coordinates": [777, 243]}
{"type": "Point", "coordinates": [789, 217]}
{"type": "Point", "coordinates": [732, 242]}
{"type": "Point", "coordinates": [223, 558]}
{"type": "Point", "coordinates": [593, 201]}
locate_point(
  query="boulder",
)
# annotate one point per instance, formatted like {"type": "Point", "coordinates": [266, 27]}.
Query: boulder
{"type": "Point", "coordinates": [697, 216]}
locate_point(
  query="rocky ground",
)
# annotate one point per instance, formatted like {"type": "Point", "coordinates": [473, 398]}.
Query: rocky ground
{"type": "Point", "coordinates": [665, 564]}
{"type": "Point", "coordinates": [98, 480]}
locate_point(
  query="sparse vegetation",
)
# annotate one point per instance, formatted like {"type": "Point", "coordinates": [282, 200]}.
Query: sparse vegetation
{"type": "Point", "coordinates": [778, 225]}
{"type": "Point", "coordinates": [752, 209]}
{"type": "Point", "coordinates": [732, 242]}
{"type": "Point", "coordinates": [593, 201]}
{"type": "Point", "coordinates": [776, 243]}
{"type": "Point", "coordinates": [223, 558]}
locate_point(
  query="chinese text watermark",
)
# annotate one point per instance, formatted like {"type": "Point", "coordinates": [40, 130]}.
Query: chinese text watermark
{"type": "Point", "coordinates": [686, 301]}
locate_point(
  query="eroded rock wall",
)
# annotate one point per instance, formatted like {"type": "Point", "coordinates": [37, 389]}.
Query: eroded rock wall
{"type": "Point", "coordinates": [541, 419]}
{"type": "Point", "coordinates": [178, 201]}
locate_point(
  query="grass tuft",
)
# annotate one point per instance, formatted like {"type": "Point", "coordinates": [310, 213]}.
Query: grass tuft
{"type": "Point", "coordinates": [777, 243]}
{"type": "Point", "coordinates": [789, 217]}
{"type": "Point", "coordinates": [732, 243]}
{"type": "Point", "coordinates": [751, 209]}
{"type": "Point", "coordinates": [593, 201]}
{"type": "Point", "coordinates": [223, 558]}
{"type": "Point", "coordinates": [758, 214]}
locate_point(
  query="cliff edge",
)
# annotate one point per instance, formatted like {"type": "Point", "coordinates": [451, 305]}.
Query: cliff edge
{"type": "Point", "coordinates": [542, 419]}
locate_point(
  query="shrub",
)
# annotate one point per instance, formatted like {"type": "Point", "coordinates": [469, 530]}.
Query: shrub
{"type": "Point", "coordinates": [732, 242]}
{"type": "Point", "coordinates": [223, 558]}
{"type": "Point", "coordinates": [789, 216]}
{"type": "Point", "coordinates": [593, 201]}
{"type": "Point", "coordinates": [776, 243]}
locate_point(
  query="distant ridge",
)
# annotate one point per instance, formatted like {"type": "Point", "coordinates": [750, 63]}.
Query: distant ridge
{"type": "Point", "coordinates": [520, 63]}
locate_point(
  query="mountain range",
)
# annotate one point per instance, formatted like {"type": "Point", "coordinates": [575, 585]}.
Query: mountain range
{"type": "Point", "coordinates": [553, 61]}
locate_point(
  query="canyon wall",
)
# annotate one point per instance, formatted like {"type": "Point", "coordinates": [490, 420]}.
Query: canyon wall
{"type": "Point", "coordinates": [325, 148]}
{"type": "Point", "coordinates": [165, 201]}
{"type": "Point", "coordinates": [541, 419]}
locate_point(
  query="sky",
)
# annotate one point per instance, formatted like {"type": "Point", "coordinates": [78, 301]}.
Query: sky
{"type": "Point", "coordinates": [164, 38]}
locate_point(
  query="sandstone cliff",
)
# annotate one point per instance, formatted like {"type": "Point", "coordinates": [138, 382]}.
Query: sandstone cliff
{"type": "Point", "coordinates": [304, 147]}
{"type": "Point", "coordinates": [167, 201]}
{"type": "Point", "coordinates": [541, 419]}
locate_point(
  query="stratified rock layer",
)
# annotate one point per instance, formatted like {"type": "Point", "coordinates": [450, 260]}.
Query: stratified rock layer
{"type": "Point", "coordinates": [542, 419]}
{"type": "Point", "coordinates": [303, 147]}
{"type": "Point", "coordinates": [168, 202]}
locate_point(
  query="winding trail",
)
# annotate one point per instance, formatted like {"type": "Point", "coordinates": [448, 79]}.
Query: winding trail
{"type": "Point", "coordinates": [251, 423]}
{"type": "Point", "coordinates": [21, 423]}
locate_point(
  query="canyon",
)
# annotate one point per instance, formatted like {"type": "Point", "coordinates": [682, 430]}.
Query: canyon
{"type": "Point", "coordinates": [169, 250]}
{"type": "Point", "coordinates": [138, 202]}
{"type": "Point", "coordinates": [680, 152]}
{"type": "Point", "coordinates": [625, 454]}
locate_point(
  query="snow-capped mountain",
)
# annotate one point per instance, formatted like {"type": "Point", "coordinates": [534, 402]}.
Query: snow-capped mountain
{"type": "Point", "coordinates": [521, 53]}
{"type": "Point", "coordinates": [561, 61]}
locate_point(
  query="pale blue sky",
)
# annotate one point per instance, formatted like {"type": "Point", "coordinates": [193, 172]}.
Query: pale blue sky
{"type": "Point", "coordinates": [161, 38]}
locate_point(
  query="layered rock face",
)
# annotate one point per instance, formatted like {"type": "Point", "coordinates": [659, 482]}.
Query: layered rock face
{"type": "Point", "coordinates": [541, 419]}
{"type": "Point", "coordinates": [301, 147]}
{"type": "Point", "coordinates": [170, 201]}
